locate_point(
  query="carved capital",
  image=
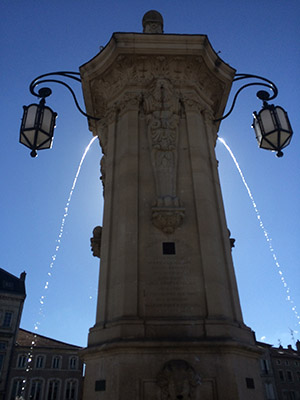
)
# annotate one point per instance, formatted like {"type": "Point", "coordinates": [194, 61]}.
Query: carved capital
{"type": "Point", "coordinates": [130, 101]}
{"type": "Point", "coordinates": [209, 118]}
{"type": "Point", "coordinates": [178, 380]}
{"type": "Point", "coordinates": [193, 103]}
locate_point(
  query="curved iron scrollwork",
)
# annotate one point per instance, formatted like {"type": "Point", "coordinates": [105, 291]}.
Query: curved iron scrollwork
{"type": "Point", "coordinates": [262, 94]}
{"type": "Point", "coordinates": [45, 91]}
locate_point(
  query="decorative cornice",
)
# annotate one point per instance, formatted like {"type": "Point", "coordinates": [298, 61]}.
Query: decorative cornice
{"type": "Point", "coordinates": [141, 70]}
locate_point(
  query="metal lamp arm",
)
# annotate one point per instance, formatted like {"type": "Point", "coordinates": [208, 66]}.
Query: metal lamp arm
{"type": "Point", "coordinates": [45, 92]}
{"type": "Point", "coordinates": [269, 84]}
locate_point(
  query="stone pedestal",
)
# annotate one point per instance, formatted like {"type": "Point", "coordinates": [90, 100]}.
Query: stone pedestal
{"type": "Point", "coordinates": [169, 323]}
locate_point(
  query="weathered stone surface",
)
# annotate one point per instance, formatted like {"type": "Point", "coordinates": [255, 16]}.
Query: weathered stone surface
{"type": "Point", "coordinates": [167, 287]}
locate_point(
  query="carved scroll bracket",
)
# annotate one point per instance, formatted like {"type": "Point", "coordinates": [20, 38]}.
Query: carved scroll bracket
{"type": "Point", "coordinates": [167, 219]}
{"type": "Point", "coordinates": [96, 241]}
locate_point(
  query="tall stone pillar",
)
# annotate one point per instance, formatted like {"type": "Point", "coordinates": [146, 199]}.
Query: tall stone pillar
{"type": "Point", "coordinates": [169, 322]}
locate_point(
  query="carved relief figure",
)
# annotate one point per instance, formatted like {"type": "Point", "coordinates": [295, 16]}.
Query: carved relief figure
{"type": "Point", "coordinates": [178, 380]}
{"type": "Point", "coordinates": [163, 131]}
{"type": "Point", "coordinates": [162, 107]}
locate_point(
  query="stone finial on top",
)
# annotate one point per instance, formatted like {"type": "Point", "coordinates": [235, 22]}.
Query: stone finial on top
{"type": "Point", "coordinates": [153, 22]}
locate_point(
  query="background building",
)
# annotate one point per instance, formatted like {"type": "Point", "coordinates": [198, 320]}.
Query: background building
{"type": "Point", "coordinates": [12, 296]}
{"type": "Point", "coordinates": [33, 366]}
{"type": "Point", "coordinates": [286, 367]}
{"type": "Point", "coordinates": [280, 371]}
{"type": "Point", "coordinates": [54, 373]}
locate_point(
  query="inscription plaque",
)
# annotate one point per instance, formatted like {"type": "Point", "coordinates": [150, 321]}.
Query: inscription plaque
{"type": "Point", "coordinates": [171, 288]}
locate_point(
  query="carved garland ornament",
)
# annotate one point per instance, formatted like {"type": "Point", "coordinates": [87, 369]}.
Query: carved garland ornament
{"type": "Point", "coordinates": [178, 380]}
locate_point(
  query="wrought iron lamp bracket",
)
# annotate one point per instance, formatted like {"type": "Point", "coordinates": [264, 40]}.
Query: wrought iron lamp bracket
{"type": "Point", "coordinates": [261, 94]}
{"type": "Point", "coordinates": [45, 91]}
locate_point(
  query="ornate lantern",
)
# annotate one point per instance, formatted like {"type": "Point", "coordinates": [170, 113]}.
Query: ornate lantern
{"type": "Point", "coordinates": [37, 126]}
{"type": "Point", "coordinates": [272, 128]}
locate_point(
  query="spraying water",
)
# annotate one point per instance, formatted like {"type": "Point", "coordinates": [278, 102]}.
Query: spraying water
{"type": "Point", "coordinates": [266, 234]}
{"type": "Point", "coordinates": [53, 258]}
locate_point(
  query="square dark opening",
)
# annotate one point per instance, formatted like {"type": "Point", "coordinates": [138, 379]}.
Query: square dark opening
{"type": "Point", "coordinates": [100, 386]}
{"type": "Point", "coordinates": [250, 383]}
{"type": "Point", "coordinates": [168, 248]}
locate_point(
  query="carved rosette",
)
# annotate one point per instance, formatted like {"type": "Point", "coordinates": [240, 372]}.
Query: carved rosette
{"type": "Point", "coordinates": [178, 380]}
{"type": "Point", "coordinates": [162, 108]}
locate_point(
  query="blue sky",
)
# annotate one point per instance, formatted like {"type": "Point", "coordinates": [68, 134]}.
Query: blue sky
{"type": "Point", "coordinates": [36, 37]}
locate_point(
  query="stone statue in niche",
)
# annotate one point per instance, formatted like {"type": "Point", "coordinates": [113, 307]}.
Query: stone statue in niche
{"type": "Point", "coordinates": [178, 380]}
{"type": "Point", "coordinates": [96, 241]}
{"type": "Point", "coordinates": [162, 109]}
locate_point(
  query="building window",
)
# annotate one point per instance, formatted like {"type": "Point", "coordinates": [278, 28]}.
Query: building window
{"type": "Point", "coordinates": [36, 389]}
{"type": "Point", "coordinates": [21, 362]}
{"type": "Point", "coordinates": [2, 346]}
{"type": "Point", "coordinates": [7, 319]}
{"type": "Point", "coordinates": [269, 391]}
{"type": "Point", "coordinates": [281, 375]}
{"type": "Point", "coordinates": [298, 375]}
{"type": "Point", "coordinates": [296, 363]}
{"type": "Point", "coordinates": [56, 362]}
{"type": "Point", "coordinates": [1, 361]}
{"type": "Point", "coordinates": [53, 390]}
{"type": "Point", "coordinates": [287, 362]}
{"type": "Point", "coordinates": [289, 376]}
{"type": "Point", "coordinates": [264, 364]}
{"type": "Point", "coordinates": [39, 362]}
{"type": "Point", "coordinates": [250, 383]}
{"type": "Point", "coordinates": [73, 362]}
{"type": "Point", "coordinates": [285, 395]}
{"type": "Point", "coordinates": [292, 395]}
{"type": "Point", "coordinates": [16, 391]}
{"type": "Point", "coordinates": [71, 390]}
{"type": "Point", "coordinates": [278, 362]}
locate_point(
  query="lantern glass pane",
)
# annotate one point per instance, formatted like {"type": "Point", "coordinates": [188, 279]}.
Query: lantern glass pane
{"type": "Point", "coordinates": [31, 116]}
{"type": "Point", "coordinates": [267, 120]}
{"type": "Point", "coordinates": [46, 145]}
{"type": "Point", "coordinates": [282, 118]}
{"type": "Point", "coordinates": [257, 130]}
{"type": "Point", "coordinates": [270, 143]}
{"type": "Point", "coordinates": [30, 134]}
{"type": "Point", "coordinates": [47, 120]}
{"type": "Point", "coordinates": [42, 137]}
{"type": "Point", "coordinates": [285, 138]}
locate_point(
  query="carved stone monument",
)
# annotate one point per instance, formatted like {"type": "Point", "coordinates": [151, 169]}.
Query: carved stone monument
{"type": "Point", "coordinates": [168, 323]}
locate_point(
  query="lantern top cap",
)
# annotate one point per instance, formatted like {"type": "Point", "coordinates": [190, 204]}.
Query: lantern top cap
{"type": "Point", "coordinates": [153, 22]}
